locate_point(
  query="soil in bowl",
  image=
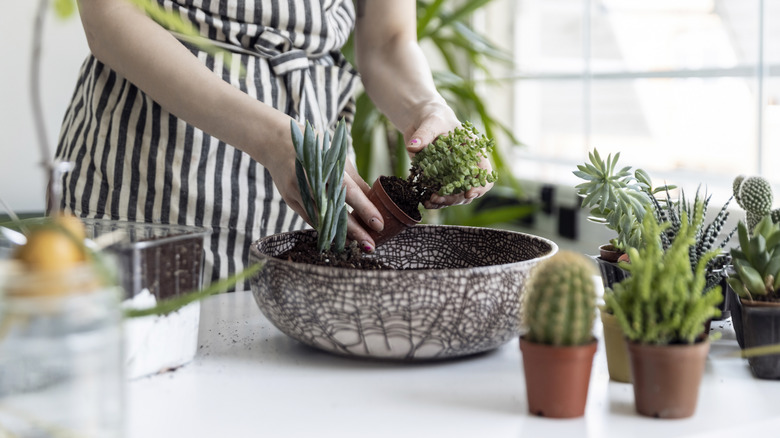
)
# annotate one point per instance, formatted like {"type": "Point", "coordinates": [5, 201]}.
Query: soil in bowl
{"type": "Point", "coordinates": [352, 257]}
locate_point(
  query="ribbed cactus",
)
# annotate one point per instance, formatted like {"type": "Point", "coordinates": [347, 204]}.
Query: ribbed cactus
{"type": "Point", "coordinates": [754, 195]}
{"type": "Point", "coordinates": [560, 300]}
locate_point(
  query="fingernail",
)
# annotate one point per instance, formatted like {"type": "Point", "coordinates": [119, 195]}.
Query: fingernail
{"type": "Point", "coordinates": [376, 224]}
{"type": "Point", "coordinates": [414, 142]}
{"type": "Point", "coordinates": [367, 246]}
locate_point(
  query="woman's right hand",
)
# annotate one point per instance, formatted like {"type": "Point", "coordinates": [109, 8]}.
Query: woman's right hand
{"type": "Point", "coordinates": [282, 170]}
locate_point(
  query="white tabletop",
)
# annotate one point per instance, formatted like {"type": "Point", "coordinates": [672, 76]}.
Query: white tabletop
{"type": "Point", "coordinates": [250, 380]}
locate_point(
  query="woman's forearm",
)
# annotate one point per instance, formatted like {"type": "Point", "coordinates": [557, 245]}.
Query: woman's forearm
{"type": "Point", "coordinates": [124, 38]}
{"type": "Point", "coordinates": [393, 67]}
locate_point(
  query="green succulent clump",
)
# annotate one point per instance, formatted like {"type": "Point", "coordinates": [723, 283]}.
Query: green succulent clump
{"type": "Point", "coordinates": [616, 198]}
{"type": "Point", "coordinates": [450, 164]}
{"type": "Point", "coordinates": [560, 301]}
{"type": "Point", "coordinates": [757, 261]}
{"type": "Point", "coordinates": [754, 195]}
{"type": "Point", "coordinates": [663, 300]}
{"type": "Point", "coordinates": [320, 173]}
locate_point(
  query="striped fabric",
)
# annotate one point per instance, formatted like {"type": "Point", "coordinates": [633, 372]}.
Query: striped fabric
{"type": "Point", "coordinates": [134, 161]}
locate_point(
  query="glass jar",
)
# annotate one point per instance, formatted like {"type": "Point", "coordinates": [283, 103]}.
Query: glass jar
{"type": "Point", "coordinates": [61, 364]}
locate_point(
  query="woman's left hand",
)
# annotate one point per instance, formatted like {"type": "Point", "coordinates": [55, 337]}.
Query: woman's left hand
{"type": "Point", "coordinates": [435, 120]}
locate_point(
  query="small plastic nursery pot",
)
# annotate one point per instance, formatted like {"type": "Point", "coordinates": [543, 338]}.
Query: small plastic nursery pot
{"type": "Point", "coordinates": [618, 362]}
{"type": "Point", "coordinates": [394, 218]}
{"type": "Point", "coordinates": [761, 326]}
{"type": "Point", "coordinates": [557, 378]}
{"type": "Point", "coordinates": [611, 272]}
{"type": "Point", "coordinates": [667, 377]}
{"type": "Point", "coordinates": [609, 253]}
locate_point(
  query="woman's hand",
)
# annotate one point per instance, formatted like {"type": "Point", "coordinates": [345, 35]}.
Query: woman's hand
{"type": "Point", "coordinates": [282, 170]}
{"type": "Point", "coordinates": [435, 120]}
{"type": "Point", "coordinates": [357, 198]}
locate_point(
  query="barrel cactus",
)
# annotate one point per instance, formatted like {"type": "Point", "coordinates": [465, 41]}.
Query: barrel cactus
{"type": "Point", "coordinates": [754, 195]}
{"type": "Point", "coordinates": [560, 301]}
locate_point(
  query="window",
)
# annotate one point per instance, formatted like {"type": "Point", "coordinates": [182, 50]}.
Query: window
{"type": "Point", "coordinates": [689, 90]}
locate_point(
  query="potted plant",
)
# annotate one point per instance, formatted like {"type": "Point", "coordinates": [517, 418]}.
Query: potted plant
{"type": "Point", "coordinates": [756, 281]}
{"type": "Point", "coordinates": [558, 347]}
{"type": "Point", "coordinates": [754, 195]}
{"type": "Point", "coordinates": [447, 166]}
{"type": "Point", "coordinates": [662, 308]}
{"type": "Point", "coordinates": [617, 199]}
{"type": "Point", "coordinates": [433, 292]}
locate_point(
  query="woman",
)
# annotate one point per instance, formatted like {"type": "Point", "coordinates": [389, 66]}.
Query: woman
{"type": "Point", "coordinates": [159, 135]}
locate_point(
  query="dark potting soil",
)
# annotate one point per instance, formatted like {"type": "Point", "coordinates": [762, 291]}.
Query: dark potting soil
{"type": "Point", "coordinates": [403, 193]}
{"type": "Point", "coordinates": [352, 257]}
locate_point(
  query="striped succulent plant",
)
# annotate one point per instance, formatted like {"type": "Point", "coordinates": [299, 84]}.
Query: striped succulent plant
{"type": "Point", "coordinates": [706, 236]}
{"type": "Point", "coordinates": [320, 173]}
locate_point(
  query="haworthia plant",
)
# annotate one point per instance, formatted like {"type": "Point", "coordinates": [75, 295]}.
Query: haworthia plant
{"type": "Point", "coordinates": [319, 168]}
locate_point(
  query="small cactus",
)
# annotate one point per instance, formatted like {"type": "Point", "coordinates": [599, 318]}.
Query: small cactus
{"type": "Point", "coordinates": [560, 301]}
{"type": "Point", "coordinates": [754, 195]}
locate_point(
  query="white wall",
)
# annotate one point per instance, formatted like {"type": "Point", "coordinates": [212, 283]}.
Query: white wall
{"type": "Point", "coordinates": [22, 180]}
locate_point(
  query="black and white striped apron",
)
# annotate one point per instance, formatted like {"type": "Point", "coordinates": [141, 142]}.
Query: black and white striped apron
{"type": "Point", "coordinates": [136, 162]}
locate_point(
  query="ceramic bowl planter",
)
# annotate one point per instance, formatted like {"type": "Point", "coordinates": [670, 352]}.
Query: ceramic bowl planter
{"type": "Point", "coordinates": [761, 326]}
{"type": "Point", "coordinates": [455, 291]}
{"type": "Point", "coordinates": [395, 220]}
{"type": "Point", "coordinates": [557, 378]}
{"type": "Point", "coordinates": [666, 378]}
{"type": "Point", "coordinates": [618, 363]}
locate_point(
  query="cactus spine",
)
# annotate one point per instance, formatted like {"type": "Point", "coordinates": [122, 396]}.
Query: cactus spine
{"type": "Point", "coordinates": [560, 301]}
{"type": "Point", "coordinates": [754, 195]}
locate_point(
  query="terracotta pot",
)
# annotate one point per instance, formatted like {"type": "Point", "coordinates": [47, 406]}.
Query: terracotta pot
{"type": "Point", "coordinates": [618, 363]}
{"type": "Point", "coordinates": [761, 326]}
{"type": "Point", "coordinates": [557, 378]}
{"type": "Point", "coordinates": [610, 253]}
{"type": "Point", "coordinates": [667, 378]}
{"type": "Point", "coordinates": [394, 218]}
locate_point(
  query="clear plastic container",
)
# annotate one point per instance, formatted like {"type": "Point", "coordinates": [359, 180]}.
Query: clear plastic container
{"type": "Point", "coordinates": [165, 259]}
{"type": "Point", "coordinates": [61, 356]}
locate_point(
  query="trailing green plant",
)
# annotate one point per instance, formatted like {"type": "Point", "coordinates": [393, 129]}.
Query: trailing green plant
{"type": "Point", "coordinates": [450, 164]}
{"type": "Point", "coordinates": [706, 237]}
{"type": "Point", "coordinates": [320, 173]}
{"type": "Point", "coordinates": [616, 197]}
{"type": "Point", "coordinates": [560, 301]}
{"type": "Point", "coordinates": [754, 195]}
{"type": "Point", "coordinates": [757, 262]}
{"type": "Point", "coordinates": [663, 300]}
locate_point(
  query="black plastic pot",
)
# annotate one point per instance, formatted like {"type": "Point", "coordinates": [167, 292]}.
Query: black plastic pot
{"type": "Point", "coordinates": [761, 326]}
{"type": "Point", "coordinates": [611, 273]}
